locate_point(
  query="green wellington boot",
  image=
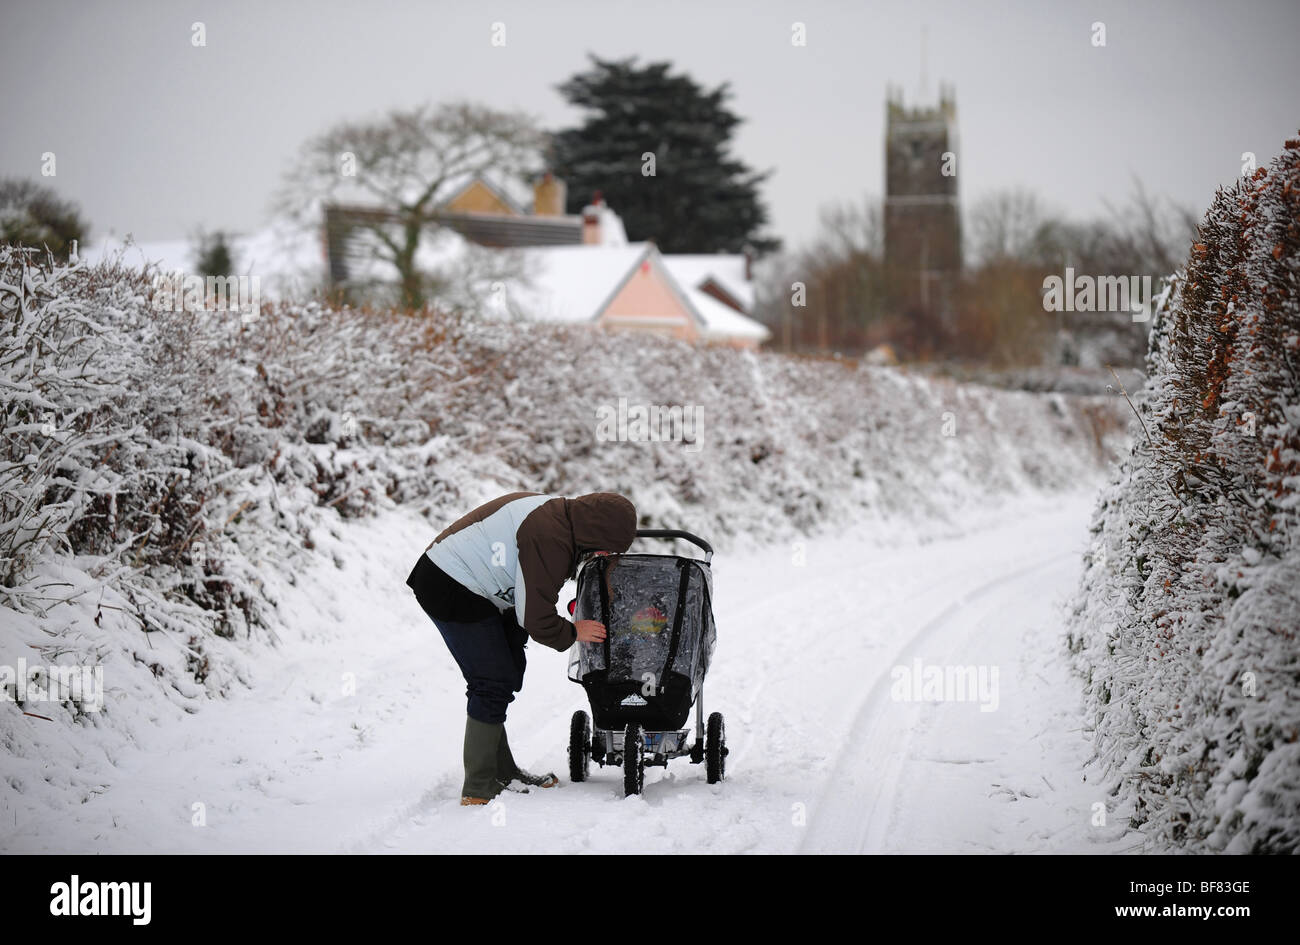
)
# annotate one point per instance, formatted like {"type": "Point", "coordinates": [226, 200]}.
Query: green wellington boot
{"type": "Point", "coordinates": [481, 741]}
{"type": "Point", "coordinates": [508, 771]}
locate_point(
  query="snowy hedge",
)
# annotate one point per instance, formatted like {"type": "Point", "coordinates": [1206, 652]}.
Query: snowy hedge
{"type": "Point", "coordinates": [1185, 627]}
{"type": "Point", "coordinates": [157, 464]}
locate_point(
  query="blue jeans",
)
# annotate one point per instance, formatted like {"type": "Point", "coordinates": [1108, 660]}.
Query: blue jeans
{"type": "Point", "coordinates": [490, 654]}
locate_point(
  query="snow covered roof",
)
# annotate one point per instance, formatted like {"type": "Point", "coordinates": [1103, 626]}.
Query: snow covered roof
{"type": "Point", "coordinates": [722, 321]}
{"type": "Point", "coordinates": [573, 283]}
{"type": "Point", "coordinates": [694, 270]}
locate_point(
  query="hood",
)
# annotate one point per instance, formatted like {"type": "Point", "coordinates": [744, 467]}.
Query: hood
{"type": "Point", "coordinates": [602, 521]}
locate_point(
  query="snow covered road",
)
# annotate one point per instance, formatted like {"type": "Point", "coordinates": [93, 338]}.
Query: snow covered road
{"type": "Point", "coordinates": [948, 776]}
{"type": "Point", "coordinates": [350, 740]}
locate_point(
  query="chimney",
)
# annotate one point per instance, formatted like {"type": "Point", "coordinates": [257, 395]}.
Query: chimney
{"type": "Point", "coordinates": [591, 220]}
{"type": "Point", "coordinates": [749, 262]}
{"type": "Point", "coordinates": [549, 195]}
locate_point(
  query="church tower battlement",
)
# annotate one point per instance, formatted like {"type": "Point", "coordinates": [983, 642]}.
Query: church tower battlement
{"type": "Point", "coordinates": [922, 213]}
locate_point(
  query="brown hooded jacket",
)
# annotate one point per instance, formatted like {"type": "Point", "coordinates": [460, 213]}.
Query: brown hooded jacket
{"type": "Point", "coordinates": [548, 542]}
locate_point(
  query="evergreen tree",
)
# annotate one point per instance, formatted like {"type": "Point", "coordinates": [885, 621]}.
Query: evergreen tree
{"type": "Point", "coordinates": [699, 199]}
{"type": "Point", "coordinates": [213, 256]}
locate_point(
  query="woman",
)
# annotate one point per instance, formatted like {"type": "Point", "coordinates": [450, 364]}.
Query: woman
{"type": "Point", "coordinates": [490, 581]}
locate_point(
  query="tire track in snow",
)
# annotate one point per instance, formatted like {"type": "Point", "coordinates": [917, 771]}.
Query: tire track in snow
{"type": "Point", "coordinates": [853, 813]}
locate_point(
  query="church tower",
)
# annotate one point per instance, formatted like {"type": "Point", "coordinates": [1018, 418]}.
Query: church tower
{"type": "Point", "coordinates": [922, 215]}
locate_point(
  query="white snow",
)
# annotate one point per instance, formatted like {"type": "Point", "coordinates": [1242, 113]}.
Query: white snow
{"type": "Point", "coordinates": [819, 760]}
{"type": "Point", "coordinates": [695, 270]}
{"type": "Point", "coordinates": [270, 484]}
{"type": "Point", "coordinates": [563, 284]}
{"type": "Point", "coordinates": [288, 258]}
{"type": "Point", "coordinates": [612, 231]}
{"type": "Point", "coordinates": [1185, 621]}
{"type": "Point", "coordinates": [572, 283]}
{"type": "Point", "coordinates": [723, 322]}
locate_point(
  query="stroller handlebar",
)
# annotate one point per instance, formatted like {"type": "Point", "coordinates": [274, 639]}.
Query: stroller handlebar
{"type": "Point", "coordinates": [674, 533]}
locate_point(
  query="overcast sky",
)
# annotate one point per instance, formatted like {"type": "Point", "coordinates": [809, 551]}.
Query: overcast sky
{"type": "Point", "coordinates": [155, 137]}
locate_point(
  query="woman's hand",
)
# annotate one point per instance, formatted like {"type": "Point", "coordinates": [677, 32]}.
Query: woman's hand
{"type": "Point", "coordinates": [590, 631]}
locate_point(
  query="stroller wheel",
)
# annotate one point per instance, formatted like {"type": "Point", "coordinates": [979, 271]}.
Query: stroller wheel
{"type": "Point", "coordinates": [633, 760]}
{"type": "Point", "coordinates": [579, 746]}
{"type": "Point", "coordinates": [715, 749]}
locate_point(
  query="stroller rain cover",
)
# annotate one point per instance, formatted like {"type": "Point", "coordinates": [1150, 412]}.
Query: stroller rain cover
{"type": "Point", "coordinates": [661, 634]}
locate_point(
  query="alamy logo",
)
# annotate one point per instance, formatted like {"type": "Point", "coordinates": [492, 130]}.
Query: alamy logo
{"type": "Point", "coordinates": [921, 683]}
{"type": "Point", "coordinates": [650, 423]}
{"type": "Point", "coordinates": [102, 899]}
{"type": "Point", "coordinates": [83, 685]}
{"type": "Point", "coordinates": [1073, 293]}
{"type": "Point", "coordinates": [181, 292]}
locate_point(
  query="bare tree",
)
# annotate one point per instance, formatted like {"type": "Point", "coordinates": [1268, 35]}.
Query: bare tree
{"type": "Point", "coordinates": [850, 229]}
{"type": "Point", "coordinates": [1005, 225]}
{"type": "Point", "coordinates": [401, 165]}
{"type": "Point", "coordinates": [1153, 236]}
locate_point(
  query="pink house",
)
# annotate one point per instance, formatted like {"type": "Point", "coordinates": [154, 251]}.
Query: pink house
{"type": "Point", "coordinates": [632, 287]}
{"type": "Point", "coordinates": [581, 268]}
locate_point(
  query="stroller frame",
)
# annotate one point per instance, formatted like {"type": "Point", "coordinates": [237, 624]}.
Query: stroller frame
{"type": "Point", "coordinates": [633, 747]}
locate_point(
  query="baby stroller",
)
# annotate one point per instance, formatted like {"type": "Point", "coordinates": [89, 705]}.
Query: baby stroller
{"type": "Point", "coordinates": [643, 678]}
